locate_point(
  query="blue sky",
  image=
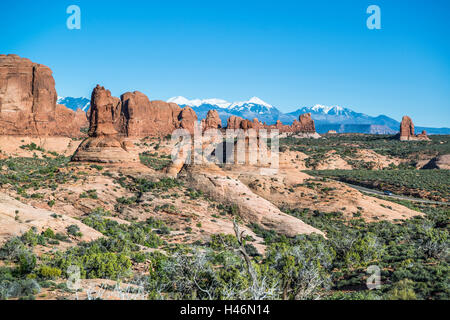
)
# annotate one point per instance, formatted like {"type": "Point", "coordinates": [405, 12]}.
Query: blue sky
{"type": "Point", "coordinates": [288, 53]}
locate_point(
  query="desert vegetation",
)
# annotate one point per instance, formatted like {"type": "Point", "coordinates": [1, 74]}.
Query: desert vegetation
{"type": "Point", "coordinates": [429, 184]}
{"type": "Point", "coordinates": [347, 145]}
{"type": "Point", "coordinates": [165, 239]}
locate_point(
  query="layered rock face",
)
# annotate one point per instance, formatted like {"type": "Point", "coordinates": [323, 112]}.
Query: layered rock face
{"type": "Point", "coordinates": [133, 115]}
{"type": "Point", "coordinates": [440, 162]}
{"type": "Point", "coordinates": [304, 125]}
{"type": "Point", "coordinates": [140, 117]}
{"type": "Point", "coordinates": [113, 120]}
{"type": "Point", "coordinates": [104, 143]}
{"type": "Point", "coordinates": [407, 131]}
{"type": "Point", "coordinates": [406, 128]}
{"type": "Point", "coordinates": [28, 101]}
{"type": "Point", "coordinates": [212, 121]}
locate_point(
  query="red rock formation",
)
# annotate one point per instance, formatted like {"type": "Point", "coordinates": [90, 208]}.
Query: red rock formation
{"type": "Point", "coordinates": [28, 101]}
{"type": "Point", "coordinates": [141, 117]}
{"type": "Point", "coordinates": [246, 124]}
{"type": "Point", "coordinates": [406, 128]}
{"type": "Point", "coordinates": [187, 119]}
{"type": "Point", "coordinates": [104, 143]}
{"type": "Point", "coordinates": [234, 122]}
{"type": "Point", "coordinates": [304, 125]}
{"type": "Point", "coordinates": [135, 116]}
{"type": "Point", "coordinates": [212, 121]}
{"type": "Point", "coordinates": [112, 120]}
{"type": "Point", "coordinates": [73, 121]}
{"type": "Point", "coordinates": [103, 113]}
{"type": "Point", "coordinates": [407, 131]}
{"type": "Point", "coordinates": [257, 124]}
{"type": "Point", "coordinates": [423, 134]}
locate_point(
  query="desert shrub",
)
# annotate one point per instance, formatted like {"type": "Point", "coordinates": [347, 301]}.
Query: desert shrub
{"type": "Point", "coordinates": [433, 243]}
{"type": "Point", "coordinates": [154, 161]}
{"type": "Point", "coordinates": [137, 233]}
{"type": "Point", "coordinates": [97, 167]}
{"type": "Point", "coordinates": [414, 249]}
{"type": "Point", "coordinates": [49, 233]}
{"type": "Point", "coordinates": [74, 230]}
{"type": "Point", "coordinates": [32, 147]}
{"type": "Point", "coordinates": [33, 173]}
{"type": "Point", "coordinates": [32, 238]}
{"type": "Point", "coordinates": [223, 241]}
{"type": "Point", "coordinates": [304, 268]}
{"type": "Point", "coordinates": [126, 201]}
{"type": "Point", "coordinates": [47, 272]}
{"type": "Point", "coordinates": [92, 194]}
{"type": "Point", "coordinates": [27, 262]}
{"type": "Point", "coordinates": [364, 251]}
{"type": "Point", "coordinates": [11, 249]}
{"type": "Point", "coordinates": [164, 184]}
{"type": "Point", "coordinates": [11, 287]}
{"type": "Point", "coordinates": [402, 290]}
{"type": "Point", "coordinates": [95, 260]}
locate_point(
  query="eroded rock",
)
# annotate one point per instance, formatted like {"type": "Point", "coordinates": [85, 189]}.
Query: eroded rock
{"type": "Point", "coordinates": [28, 101]}
{"type": "Point", "coordinates": [407, 131]}
{"type": "Point", "coordinates": [104, 143]}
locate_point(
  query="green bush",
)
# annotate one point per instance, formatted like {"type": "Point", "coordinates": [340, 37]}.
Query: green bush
{"type": "Point", "coordinates": [74, 230]}
{"type": "Point", "coordinates": [47, 272]}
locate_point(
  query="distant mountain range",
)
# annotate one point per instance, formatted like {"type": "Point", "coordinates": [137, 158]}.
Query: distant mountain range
{"type": "Point", "coordinates": [340, 119]}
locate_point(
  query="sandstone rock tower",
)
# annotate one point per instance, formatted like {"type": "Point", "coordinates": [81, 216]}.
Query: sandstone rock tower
{"type": "Point", "coordinates": [407, 131]}
{"type": "Point", "coordinates": [104, 143]}
{"type": "Point", "coordinates": [212, 121]}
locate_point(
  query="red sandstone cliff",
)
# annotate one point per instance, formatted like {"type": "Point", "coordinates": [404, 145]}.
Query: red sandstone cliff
{"type": "Point", "coordinates": [28, 101]}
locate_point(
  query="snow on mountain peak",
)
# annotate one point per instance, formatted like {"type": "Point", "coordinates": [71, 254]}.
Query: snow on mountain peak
{"type": "Point", "coordinates": [327, 109]}
{"type": "Point", "coordinates": [198, 102]}
{"type": "Point", "coordinates": [179, 100]}
{"type": "Point", "coordinates": [257, 100]}
{"type": "Point", "coordinates": [218, 102]}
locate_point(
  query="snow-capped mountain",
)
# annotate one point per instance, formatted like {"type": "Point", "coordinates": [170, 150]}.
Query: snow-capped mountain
{"type": "Point", "coordinates": [343, 120]}
{"type": "Point", "coordinates": [182, 101]}
{"type": "Point", "coordinates": [329, 112]}
{"type": "Point", "coordinates": [254, 103]}
{"type": "Point", "coordinates": [340, 119]}
{"type": "Point", "coordinates": [250, 109]}
{"type": "Point", "coordinates": [75, 103]}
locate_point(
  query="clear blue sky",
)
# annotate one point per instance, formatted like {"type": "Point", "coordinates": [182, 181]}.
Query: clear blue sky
{"type": "Point", "coordinates": [288, 53]}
